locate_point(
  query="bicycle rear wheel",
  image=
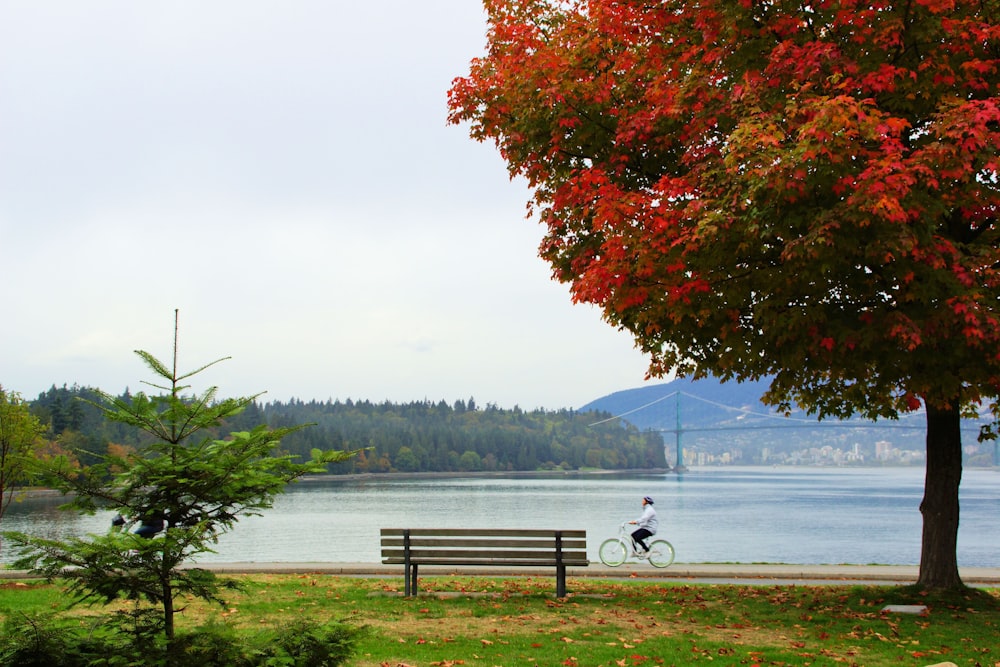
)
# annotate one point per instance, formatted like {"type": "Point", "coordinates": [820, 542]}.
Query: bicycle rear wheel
{"type": "Point", "coordinates": [661, 553]}
{"type": "Point", "coordinates": [612, 552]}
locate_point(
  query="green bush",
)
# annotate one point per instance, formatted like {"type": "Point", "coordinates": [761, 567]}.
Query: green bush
{"type": "Point", "coordinates": [306, 644]}
{"type": "Point", "coordinates": [37, 641]}
{"type": "Point", "coordinates": [210, 645]}
{"type": "Point", "coordinates": [45, 641]}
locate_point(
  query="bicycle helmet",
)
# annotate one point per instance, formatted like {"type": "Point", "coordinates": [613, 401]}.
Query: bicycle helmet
{"type": "Point", "coordinates": [648, 499]}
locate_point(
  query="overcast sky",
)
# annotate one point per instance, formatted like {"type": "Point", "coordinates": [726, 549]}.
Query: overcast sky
{"type": "Point", "coordinates": [283, 174]}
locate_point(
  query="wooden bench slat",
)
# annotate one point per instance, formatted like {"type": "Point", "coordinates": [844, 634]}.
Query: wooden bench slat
{"type": "Point", "coordinates": [419, 554]}
{"type": "Point", "coordinates": [412, 547]}
{"type": "Point", "coordinates": [421, 551]}
{"type": "Point", "coordinates": [547, 543]}
{"type": "Point", "coordinates": [478, 558]}
{"type": "Point", "coordinates": [520, 562]}
{"type": "Point", "coordinates": [444, 560]}
{"type": "Point", "coordinates": [485, 532]}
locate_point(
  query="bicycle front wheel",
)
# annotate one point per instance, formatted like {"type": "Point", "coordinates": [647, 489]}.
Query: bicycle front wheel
{"type": "Point", "coordinates": [661, 553]}
{"type": "Point", "coordinates": [612, 552]}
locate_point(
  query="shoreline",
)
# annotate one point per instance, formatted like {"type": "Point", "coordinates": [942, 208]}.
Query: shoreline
{"type": "Point", "coordinates": [486, 474]}
{"type": "Point", "coordinates": [480, 474]}
{"type": "Point", "coordinates": [367, 476]}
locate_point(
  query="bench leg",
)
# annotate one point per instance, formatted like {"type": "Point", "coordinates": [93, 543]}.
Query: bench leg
{"type": "Point", "coordinates": [412, 584]}
{"type": "Point", "coordinates": [406, 579]}
{"type": "Point", "coordinates": [560, 581]}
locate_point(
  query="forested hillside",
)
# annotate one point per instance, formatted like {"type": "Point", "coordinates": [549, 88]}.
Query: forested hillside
{"type": "Point", "coordinates": [412, 437]}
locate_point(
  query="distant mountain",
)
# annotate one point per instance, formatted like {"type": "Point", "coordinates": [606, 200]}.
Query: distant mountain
{"type": "Point", "coordinates": [655, 407]}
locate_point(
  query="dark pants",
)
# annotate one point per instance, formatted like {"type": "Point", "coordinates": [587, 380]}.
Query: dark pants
{"type": "Point", "coordinates": [639, 536]}
{"type": "Point", "coordinates": [149, 528]}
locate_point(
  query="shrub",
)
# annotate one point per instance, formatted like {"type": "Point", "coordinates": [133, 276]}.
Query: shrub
{"type": "Point", "coordinates": [36, 641]}
{"type": "Point", "coordinates": [307, 644]}
{"type": "Point", "coordinates": [128, 640]}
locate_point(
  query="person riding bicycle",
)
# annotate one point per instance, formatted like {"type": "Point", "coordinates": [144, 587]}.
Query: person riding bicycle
{"type": "Point", "coordinates": [647, 523]}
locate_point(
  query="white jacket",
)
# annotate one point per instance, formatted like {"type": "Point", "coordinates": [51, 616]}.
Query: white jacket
{"type": "Point", "coordinates": [648, 519]}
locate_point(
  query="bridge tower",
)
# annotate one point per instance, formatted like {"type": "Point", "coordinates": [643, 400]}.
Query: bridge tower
{"type": "Point", "coordinates": [679, 466]}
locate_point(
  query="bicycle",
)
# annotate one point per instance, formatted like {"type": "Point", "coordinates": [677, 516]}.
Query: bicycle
{"type": "Point", "coordinates": [615, 550]}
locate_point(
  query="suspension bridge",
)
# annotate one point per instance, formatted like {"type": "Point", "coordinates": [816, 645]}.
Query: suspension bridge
{"type": "Point", "coordinates": [913, 421]}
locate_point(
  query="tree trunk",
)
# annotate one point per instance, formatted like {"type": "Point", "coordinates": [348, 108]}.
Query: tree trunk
{"type": "Point", "coordinates": [939, 544]}
{"type": "Point", "coordinates": [168, 611]}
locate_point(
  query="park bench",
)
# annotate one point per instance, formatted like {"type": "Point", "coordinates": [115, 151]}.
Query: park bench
{"type": "Point", "coordinates": [488, 547]}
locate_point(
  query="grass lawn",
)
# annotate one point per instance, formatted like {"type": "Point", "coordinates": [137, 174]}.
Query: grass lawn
{"type": "Point", "coordinates": [487, 621]}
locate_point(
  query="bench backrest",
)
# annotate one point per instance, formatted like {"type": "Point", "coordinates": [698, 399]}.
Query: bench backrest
{"type": "Point", "coordinates": [487, 546]}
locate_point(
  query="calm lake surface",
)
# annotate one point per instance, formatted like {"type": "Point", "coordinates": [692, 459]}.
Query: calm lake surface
{"type": "Point", "coordinates": [744, 515]}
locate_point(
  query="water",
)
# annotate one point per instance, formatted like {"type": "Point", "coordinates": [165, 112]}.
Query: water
{"type": "Point", "coordinates": [742, 515]}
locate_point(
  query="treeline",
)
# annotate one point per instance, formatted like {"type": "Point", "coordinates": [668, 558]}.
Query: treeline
{"type": "Point", "coordinates": [420, 436]}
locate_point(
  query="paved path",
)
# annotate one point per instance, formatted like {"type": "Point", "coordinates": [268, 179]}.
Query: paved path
{"type": "Point", "coordinates": [765, 573]}
{"type": "Point", "coordinates": [711, 572]}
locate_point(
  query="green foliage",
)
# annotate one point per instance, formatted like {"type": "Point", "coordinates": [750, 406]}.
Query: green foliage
{"type": "Point", "coordinates": [304, 643]}
{"type": "Point", "coordinates": [34, 641]}
{"type": "Point", "coordinates": [128, 640]}
{"type": "Point", "coordinates": [188, 485]}
{"type": "Point", "coordinates": [44, 640]}
{"type": "Point", "coordinates": [19, 438]}
{"type": "Point", "coordinates": [210, 644]}
{"type": "Point", "coordinates": [62, 410]}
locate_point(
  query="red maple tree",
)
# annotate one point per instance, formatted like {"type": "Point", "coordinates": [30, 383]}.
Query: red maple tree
{"type": "Point", "coordinates": [761, 188]}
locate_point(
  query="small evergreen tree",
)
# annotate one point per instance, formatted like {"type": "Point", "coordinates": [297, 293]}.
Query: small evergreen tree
{"type": "Point", "coordinates": [187, 482]}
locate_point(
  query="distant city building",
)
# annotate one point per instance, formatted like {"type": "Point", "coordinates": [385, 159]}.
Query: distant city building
{"type": "Point", "coordinates": [883, 450]}
{"type": "Point", "coordinates": [852, 454]}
